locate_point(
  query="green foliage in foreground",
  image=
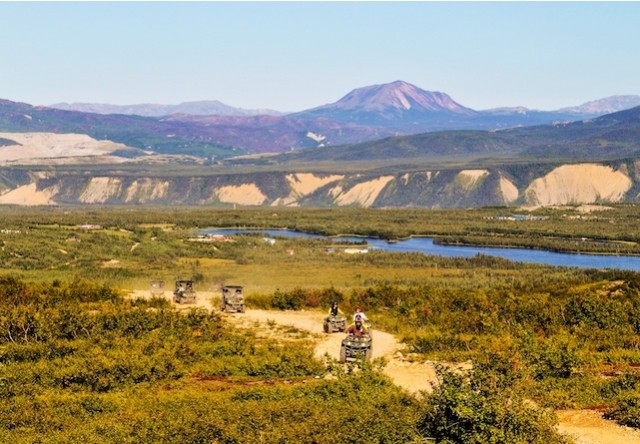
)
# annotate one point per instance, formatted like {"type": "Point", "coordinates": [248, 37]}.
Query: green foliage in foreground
{"type": "Point", "coordinates": [81, 364]}
{"type": "Point", "coordinates": [482, 407]}
{"type": "Point", "coordinates": [626, 411]}
{"type": "Point", "coordinates": [575, 333]}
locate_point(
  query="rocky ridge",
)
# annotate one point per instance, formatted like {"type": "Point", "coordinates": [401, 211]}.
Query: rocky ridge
{"type": "Point", "coordinates": [438, 188]}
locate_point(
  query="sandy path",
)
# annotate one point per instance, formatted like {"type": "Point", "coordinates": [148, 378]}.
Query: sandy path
{"type": "Point", "coordinates": [414, 377]}
{"type": "Point", "coordinates": [584, 426]}
{"type": "Point", "coordinates": [589, 427]}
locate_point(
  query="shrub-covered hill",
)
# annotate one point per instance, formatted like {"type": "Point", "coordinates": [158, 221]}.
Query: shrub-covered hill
{"type": "Point", "coordinates": [81, 364]}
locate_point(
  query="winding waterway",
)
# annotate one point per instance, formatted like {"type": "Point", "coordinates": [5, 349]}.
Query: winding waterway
{"type": "Point", "coordinates": [425, 245]}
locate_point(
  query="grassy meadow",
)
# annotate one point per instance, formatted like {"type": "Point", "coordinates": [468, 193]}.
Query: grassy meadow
{"type": "Point", "coordinates": [81, 361]}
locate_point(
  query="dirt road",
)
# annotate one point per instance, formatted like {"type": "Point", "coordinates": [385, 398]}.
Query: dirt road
{"type": "Point", "coordinates": [584, 426]}
{"type": "Point", "coordinates": [412, 376]}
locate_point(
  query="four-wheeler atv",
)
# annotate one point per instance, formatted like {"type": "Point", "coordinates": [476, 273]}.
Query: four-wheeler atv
{"type": "Point", "coordinates": [333, 323]}
{"type": "Point", "coordinates": [355, 348]}
{"type": "Point", "coordinates": [156, 288]}
{"type": "Point", "coordinates": [184, 292]}
{"type": "Point", "coordinates": [232, 299]}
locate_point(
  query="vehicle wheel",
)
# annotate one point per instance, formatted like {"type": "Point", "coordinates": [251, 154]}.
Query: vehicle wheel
{"type": "Point", "coordinates": [367, 355]}
{"type": "Point", "coordinates": [242, 309]}
{"type": "Point", "coordinates": [325, 327]}
{"type": "Point", "coordinates": [343, 355]}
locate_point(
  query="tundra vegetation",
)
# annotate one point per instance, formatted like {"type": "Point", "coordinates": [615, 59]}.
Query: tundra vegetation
{"type": "Point", "coordinates": [83, 361]}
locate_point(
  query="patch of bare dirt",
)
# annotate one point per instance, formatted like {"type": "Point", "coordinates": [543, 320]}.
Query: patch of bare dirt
{"type": "Point", "coordinates": [582, 183]}
{"type": "Point", "coordinates": [589, 427]}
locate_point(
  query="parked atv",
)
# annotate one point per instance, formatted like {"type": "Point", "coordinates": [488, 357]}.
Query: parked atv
{"type": "Point", "coordinates": [184, 292]}
{"type": "Point", "coordinates": [333, 323]}
{"type": "Point", "coordinates": [232, 299]}
{"type": "Point", "coordinates": [156, 288]}
{"type": "Point", "coordinates": [355, 348]}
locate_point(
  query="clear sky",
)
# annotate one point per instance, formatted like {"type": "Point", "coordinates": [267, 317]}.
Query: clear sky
{"type": "Point", "coordinates": [291, 56]}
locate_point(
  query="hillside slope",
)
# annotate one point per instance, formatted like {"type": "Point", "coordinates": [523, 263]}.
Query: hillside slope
{"type": "Point", "coordinates": [144, 133]}
{"type": "Point", "coordinates": [609, 137]}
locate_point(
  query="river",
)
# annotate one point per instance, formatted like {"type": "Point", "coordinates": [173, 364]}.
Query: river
{"type": "Point", "coordinates": [425, 245]}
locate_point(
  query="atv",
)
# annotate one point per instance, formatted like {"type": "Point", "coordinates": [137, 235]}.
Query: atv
{"type": "Point", "coordinates": [184, 292]}
{"type": "Point", "coordinates": [156, 288]}
{"type": "Point", "coordinates": [232, 299]}
{"type": "Point", "coordinates": [355, 348]}
{"type": "Point", "coordinates": [333, 323]}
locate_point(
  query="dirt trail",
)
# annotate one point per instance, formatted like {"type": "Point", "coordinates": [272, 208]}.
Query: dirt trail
{"type": "Point", "coordinates": [584, 426]}
{"type": "Point", "coordinates": [589, 427]}
{"type": "Point", "coordinates": [412, 376]}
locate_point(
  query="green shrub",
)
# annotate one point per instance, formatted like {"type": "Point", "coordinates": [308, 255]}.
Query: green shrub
{"type": "Point", "coordinates": [626, 411]}
{"type": "Point", "coordinates": [290, 300]}
{"type": "Point", "coordinates": [465, 409]}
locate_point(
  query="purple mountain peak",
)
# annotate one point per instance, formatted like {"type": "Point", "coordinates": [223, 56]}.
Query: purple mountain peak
{"type": "Point", "coordinates": [398, 95]}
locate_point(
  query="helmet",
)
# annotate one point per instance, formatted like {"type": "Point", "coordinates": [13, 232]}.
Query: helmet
{"type": "Point", "coordinates": [334, 304]}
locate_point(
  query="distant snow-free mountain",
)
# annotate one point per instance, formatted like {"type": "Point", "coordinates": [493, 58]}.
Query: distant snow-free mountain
{"type": "Point", "coordinates": [396, 95]}
{"type": "Point", "coordinates": [605, 106]}
{"type": "Point", "coordinates": [404, 108]}
{"type": "Point", "coordinates": [200, 108]}
{"type": "Point", "coordinates": [395, 104]}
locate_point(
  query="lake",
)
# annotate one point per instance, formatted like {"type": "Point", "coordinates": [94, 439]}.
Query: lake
{"type": "Point", "coordinates": [425, 245]}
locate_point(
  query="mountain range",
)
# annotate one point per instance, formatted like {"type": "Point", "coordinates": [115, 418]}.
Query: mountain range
{"type": "Point", "coordinates": [365, 114]}
{"type": "Point", "coordinates": [375, 99]}
{"type": "Point", "coordinates": [383, 146]}
{"type": "Point", "coordinates": [199, 108]}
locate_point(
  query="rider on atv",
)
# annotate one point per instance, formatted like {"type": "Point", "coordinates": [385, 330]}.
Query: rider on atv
{"type": "Point", "coordinates": [335, 310]}
{"type": "Point", "coordinates": [360, 313]}
{"type": "Point", "coordinates": [358, 329]}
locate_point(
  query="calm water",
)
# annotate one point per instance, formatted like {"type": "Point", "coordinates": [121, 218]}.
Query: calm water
{"type": "Point", "coordinates": [425, 245]}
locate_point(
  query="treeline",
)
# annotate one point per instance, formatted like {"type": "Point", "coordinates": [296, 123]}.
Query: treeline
{"type": "Point", "coordinates": [612, 230]}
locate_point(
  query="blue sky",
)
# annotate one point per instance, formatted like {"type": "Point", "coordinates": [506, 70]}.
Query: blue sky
{"type": "Point", "coordinates": [291, 56]}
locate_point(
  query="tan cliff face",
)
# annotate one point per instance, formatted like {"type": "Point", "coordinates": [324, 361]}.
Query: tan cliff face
{"type": "Point", "coordinates": [302, 185]}
{"type": "Point", "coordinates": [245, 194]}
{"type": "Point", "coordinates": [29, 195]}
{"type": "Point", "coordinates": [577, 184]}
{"type": "Point", "coordinates": [565, 184]}
{"type": "Point", "coordinates": [100, 190]}
{"type": "Point", "coordinates": [363, 194]}
{"type": "Point", "coordinates": [146, 190]}
{"type": "Point", "coordinates": [508, 190]}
